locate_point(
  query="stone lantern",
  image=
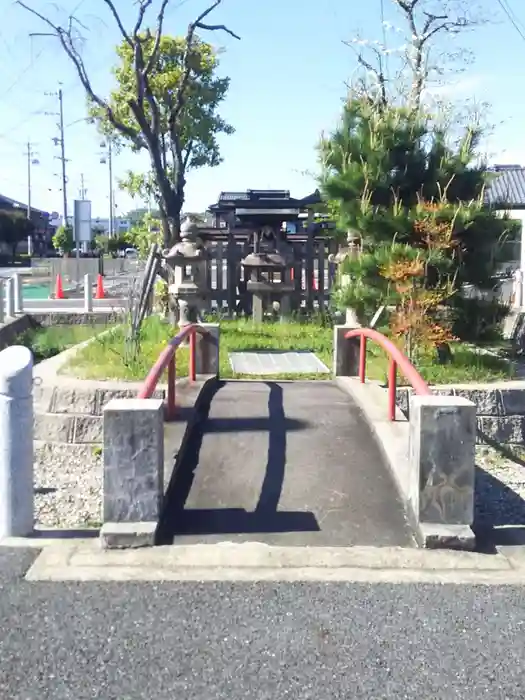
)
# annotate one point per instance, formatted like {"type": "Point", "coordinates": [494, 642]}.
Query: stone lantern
{"type": "Point", "coordinates": [268, 273]}
{"type": "Point", "coordinates": [187, 275]}
{"type": "Point", "coordinates": [349, 251]}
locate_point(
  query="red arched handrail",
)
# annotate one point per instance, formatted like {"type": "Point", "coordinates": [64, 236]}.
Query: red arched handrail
{"type": "Point", "coordinates": [397, 359]}
{"type": "Point", "coordinates": [167, 361]}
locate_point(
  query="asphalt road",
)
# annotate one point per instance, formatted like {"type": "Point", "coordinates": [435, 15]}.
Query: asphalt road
{"type": "Point", "coordinates": [262, 641]}
{"type": "Point", "coordinates": [290, 463]}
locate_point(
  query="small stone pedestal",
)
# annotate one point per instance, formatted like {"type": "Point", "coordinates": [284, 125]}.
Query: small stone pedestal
{"type": "Point", "coordinates": [345, 352]}
{"type": "Point", "coordinates": [442, 451]}
{"type": "Point", "coordinates": [133, 471]}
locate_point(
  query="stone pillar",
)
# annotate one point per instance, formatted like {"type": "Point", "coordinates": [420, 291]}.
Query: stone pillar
{"type": "Point", "coordinates": [16, 442]}
{"type": "Point", "coordinates": [88, 294]}
{"type": "Point", "coordinates": [17, 293]}
{"type": "Point", "coordinates": [517, 290]}
{"type": "Point", "coordinates": [258, 307]}
{"type": "Point", "coordinates": [133, 471]}
{"type": "Point", "coordinates": [2, 307]}
{"type": "Point", "coordinates": [207, 355]}
{"type": "Point", "coordinates": [441, 450]}
{"type": "Point", "coordinates": [345, 353]}
{"type": "Point", "coordinates": [9, 298]}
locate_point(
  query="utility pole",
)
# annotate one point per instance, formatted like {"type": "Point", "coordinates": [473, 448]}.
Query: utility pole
{"type": "Point", "coordinates": [31, 160]}
{"type": "Point", "coordinates": [108, 158]}
{"type": "Point", "coordinates": [111, 203]}
{"type": "Point", "coordinates": [63, 154]}
{"type": "Point", "coordinates": [83, 190]}
{"type": "Point", "coordinates": [62, 157]}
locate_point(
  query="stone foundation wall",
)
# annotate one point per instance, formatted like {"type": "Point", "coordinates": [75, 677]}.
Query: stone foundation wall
{"type": "Point", "coordinates": [10, 330]}
{"type": "Point", "coordinates": [500, 409]}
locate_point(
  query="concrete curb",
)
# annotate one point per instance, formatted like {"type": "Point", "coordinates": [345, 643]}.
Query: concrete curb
{"type": "Point", "coordinates": [391, 437]}
{"type": "Point", "coordinates": [228, 561]}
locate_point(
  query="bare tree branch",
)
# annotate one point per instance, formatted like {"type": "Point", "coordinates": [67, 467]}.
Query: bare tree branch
{"type": "Point", "coordinates": [425, 21]}
{"type": "Point", "coordinates": [377, 71]}
{"type": "Point", "coordinates": [170, 177]}
{"type": "Point", "coordinates": [183, 85]}
{"type": "Point", "coordinates": [143, 6]}
{"type": "Point", "coordinates": [158, 37]}
{"type": "Point", "coordinates": [118, 21]}
{"type": "Point", "coordinates": [67, 40]}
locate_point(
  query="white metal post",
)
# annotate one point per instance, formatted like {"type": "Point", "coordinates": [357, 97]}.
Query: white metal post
{"type": "Point", "coordinates": [88, 294]}
{"type": "Point", "coordinates": [17, 293]}
{"type": "Point", "coordinates": [16, 442]}
{"type": "Point", "coordinates": [9, 297]}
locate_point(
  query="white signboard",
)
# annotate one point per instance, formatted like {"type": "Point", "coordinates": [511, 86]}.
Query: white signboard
{"type": "Point", "coordinates": [82, 221]}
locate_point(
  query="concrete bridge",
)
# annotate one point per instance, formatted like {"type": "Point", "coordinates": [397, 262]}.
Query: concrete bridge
{"type": "Point", "coordinates": [293, 463]}
{"type": "Point", "coordinates": [285, 463]}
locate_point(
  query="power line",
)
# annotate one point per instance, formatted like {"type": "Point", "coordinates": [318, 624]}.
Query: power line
{"type": "Point", "coordinates": [71, 87]}
{"type": "Point", "coordinates": [511, 16]}
{"type": "Point", "coordinates": [15, 82]}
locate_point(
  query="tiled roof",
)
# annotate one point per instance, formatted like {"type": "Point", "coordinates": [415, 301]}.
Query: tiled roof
{"type": "Point", "coordinates": [507, 187]}
{"type": "Point", "coordinates": [15, 204]}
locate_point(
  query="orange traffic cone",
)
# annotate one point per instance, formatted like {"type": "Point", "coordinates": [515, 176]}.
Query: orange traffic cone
{"type": "Point", "coordinates": [99, 294]}
{"type": "Point", "coordinates": [59, 291]}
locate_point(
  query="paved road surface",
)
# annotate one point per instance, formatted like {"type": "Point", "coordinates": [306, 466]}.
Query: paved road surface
{"type": "Point", "coordinates": [228, 641]}
{"type": "Point", "coordinates": [289, 463]}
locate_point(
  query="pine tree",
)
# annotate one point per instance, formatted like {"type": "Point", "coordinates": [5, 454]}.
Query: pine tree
{"type": "Point", "coordinates": [384, 168]}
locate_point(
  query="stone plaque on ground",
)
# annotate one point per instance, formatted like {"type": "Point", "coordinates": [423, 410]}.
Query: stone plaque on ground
{"type": "Point", "coordinates": [275, 362]}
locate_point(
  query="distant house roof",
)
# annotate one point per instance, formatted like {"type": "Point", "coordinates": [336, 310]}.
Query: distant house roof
{"type": "Point", "coordinates": [8, 203]}
{"type": "Point", "coordinates": [262, 199]}
{"type": "Point", "coordinates": [507, 188]}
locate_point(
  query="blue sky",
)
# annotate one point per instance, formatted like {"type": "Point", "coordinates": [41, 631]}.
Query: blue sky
{"type": "Point", "coordinates": [287, 81]}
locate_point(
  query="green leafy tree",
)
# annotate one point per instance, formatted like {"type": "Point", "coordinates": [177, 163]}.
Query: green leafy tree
{"type": "Point", "coordinates": [199, 123]}
{"type": "Point", "coordinates": [378, 167]}
{"type": "Point", "coordinates": [101, 241]}
{"type": "Point", "coordinates": [144, 233]}
{"type": "Point", "coordinates": [166, 98]}
{"type": "Point", "coordinates": [118, 243]}
{"type": "Point", "coordinates": [64, 240]}
{"type": "Point", "coordinates": [15, 227]}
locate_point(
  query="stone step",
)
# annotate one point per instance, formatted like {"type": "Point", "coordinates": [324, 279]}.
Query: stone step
{"type": "Point", "coordinates": [68, 428]}
{"type": "Point", "coordinates": [80, 400]}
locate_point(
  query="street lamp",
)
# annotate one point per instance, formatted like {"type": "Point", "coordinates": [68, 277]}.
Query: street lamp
{"type": "Point", "coordinates": [108, 158]}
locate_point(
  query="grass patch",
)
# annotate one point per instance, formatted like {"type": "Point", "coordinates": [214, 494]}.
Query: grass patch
{"type": "Point", "coordinates": [48, 342]}
{"type": "Point", "coordinates": [469, 365]}
{"type": "Point", "coordinates": [106, 357]}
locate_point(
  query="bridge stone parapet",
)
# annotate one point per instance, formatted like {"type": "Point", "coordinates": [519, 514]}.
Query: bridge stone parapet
{"type": "Point", "coordinates": [431, 452]}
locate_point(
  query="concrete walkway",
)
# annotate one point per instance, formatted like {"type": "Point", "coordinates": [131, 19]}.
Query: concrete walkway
{"type": "Point", "coordinates": [285, 463]}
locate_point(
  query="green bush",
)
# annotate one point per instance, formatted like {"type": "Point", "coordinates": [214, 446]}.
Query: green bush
{"type": "Point", "coordinates": [478, 320]}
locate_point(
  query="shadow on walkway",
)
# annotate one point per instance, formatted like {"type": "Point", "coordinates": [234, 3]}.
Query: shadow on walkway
{"type": "Point", "coordinates": [179, 520]}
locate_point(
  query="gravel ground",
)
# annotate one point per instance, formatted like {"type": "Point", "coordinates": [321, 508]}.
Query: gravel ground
{"type": "Point", "coordinates": [68, 481]}
{"type": "Point", "coordinates": [500, 486]}
{"type": "Point", "coordinates": [69, 486]}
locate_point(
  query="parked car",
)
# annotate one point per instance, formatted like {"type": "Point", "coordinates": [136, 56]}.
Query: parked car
{"type": "Point", "coordinates": [130, 253]}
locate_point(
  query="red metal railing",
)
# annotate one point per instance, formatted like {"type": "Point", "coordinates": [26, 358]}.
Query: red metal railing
{"type": "Point", "coordinates": [397, 359]}
{"type": "Point", "coordinates": [167, 360]}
